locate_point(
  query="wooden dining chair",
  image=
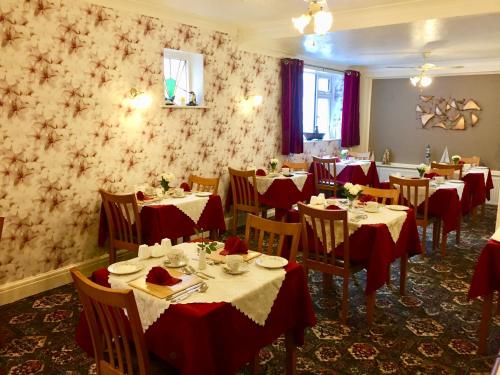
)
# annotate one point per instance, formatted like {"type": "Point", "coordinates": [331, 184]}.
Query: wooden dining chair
{"type": "Point", "coordinates": [114, 325]}
{"type": "Point", "coordinates": [244, 193]}
{"type": "Point", "coordinates": [382, 195]}
{"type": "Point", "coordinates": [124, 222]}
{"type": "Point", "coordinates": [409, 189]}
{"type": "Point", "coordinates": [320, 254]}
{"type": "Point", "coordinates": [447, 170]}
{"type": "Point", "coordinates": [2, 219]}
{"type": "Point", "coordinates": [272, 236]}
{"type": "Point", "coordinates": [204, 184]}
{"type": "Point", "coordinates": [473, 160]}
{"type": "Point", "coordinates": [296, 166]}
{"type": "Point", "coordinates": [325, 174]}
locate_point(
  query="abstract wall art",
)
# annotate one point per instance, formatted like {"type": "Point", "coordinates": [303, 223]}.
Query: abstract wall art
{"type": "Point", "coordinates": [448, 114]}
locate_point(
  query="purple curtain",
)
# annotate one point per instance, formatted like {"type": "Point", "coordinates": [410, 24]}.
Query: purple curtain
{"type": "Point", "coordinates": [350, 109]}
{"type": "Point", "coordinates": [291, 106]}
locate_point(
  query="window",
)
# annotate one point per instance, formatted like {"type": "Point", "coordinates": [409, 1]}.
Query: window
{"type": "Point", "coordinates": [322, 103]}
{"type": "Point", "coordinates": [182, 74]}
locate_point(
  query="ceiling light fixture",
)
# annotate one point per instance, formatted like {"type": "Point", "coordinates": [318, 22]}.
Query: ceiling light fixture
{"type": "Point", "coordinates": [319, 14]}
{"type": "Point", "coordinates": [421, 80]}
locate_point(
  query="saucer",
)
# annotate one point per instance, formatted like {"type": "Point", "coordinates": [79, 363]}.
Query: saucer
{"type": "Point", "coordinates": [243, 269]}
{"type": "Point", "coordinates": [178, 265]}
{"type": "Point", "coordinates": [178, 196]}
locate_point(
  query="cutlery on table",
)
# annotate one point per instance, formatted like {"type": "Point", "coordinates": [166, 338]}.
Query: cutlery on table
{"type": "Point", "coordinates": [201, 288]}
{"type": "Point", "coordinates": [183, 291]}
{"type": "Point", "coordinates": [191, 268]}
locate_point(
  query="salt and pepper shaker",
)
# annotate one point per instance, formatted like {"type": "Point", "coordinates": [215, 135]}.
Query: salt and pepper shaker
{"type": "Point", "coordinates": [144, 252]}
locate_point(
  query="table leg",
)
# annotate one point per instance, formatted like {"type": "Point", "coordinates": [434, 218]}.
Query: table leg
{"type": "Point", "coordinates": [444, 241]}
{"type": "Point", "coordinates": [291, 353]}
{"type": "Point", "coordinates": [214, 234]}
{"type": "Point", "coordinates": [254, 365]}
{"type": "Point", "coordinates": [485, 322]}
{"type": "Point", "coordinates": [459, 229]}
{"type": "Point", "coordinates": [402, 274]}
{"type": "Point", "coordinates": [370, 307]}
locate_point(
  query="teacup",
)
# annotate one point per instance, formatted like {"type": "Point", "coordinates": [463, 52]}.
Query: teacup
{"type": "Point", "coordinates": [285, 170]}
{"type": "Point", "coordinates": [371, 206]}
{"type": "Point", "coordinates": [439, 179]}
{"type": "Point", "coordinates": [179, 192]}
{"type": "Point", "coordinates": [234, 262]}
{"type": "Point", "coordinates": [157, 251]}
{"type": "Point", "coordinates": [175, 256]}
{"type": "Point", "coordinates": [166, 244]}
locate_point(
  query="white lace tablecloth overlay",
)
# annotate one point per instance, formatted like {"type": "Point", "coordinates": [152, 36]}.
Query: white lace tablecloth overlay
{"type": "Point", "coordinates": [484, 171]}
{"type": "Point", "coordinates": [394, 221]}
{"type": "Point", "coordinates": [435, 187]}
{"type": "Point", "coordinates": [253, 293]}
{"type": "Point", "coordinates": [191, 205]}
{"type": "Point", "coordinates": [365, 165]}
{"type": "Point", "coordinates": [264, 182]}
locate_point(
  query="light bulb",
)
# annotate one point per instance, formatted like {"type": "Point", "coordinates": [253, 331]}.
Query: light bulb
{"type": "Point", "coordinates": [425, 81]}
{"type": "Point", "coordinates": [322, 22]}
{"type": "Point", "coordinates": [301, 22]}
{"type": "Point", "coordinates": [415, 80]}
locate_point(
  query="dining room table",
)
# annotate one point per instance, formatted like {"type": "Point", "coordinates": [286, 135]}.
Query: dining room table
{"type": "Point", "coordinates": [485, 283]}
{"type": "Point", "coordinates": [281, 192]}
{"type": "Point", "coordinates": [220, 329]}
{"type": "Point", "coordinates": [479, 183]}
{"type": "Point", "coordinates": [362, 172]}
{"type": "Point", "coordinates": [174, 217]}
{"type": "Point", "coordinates": [376, 240]}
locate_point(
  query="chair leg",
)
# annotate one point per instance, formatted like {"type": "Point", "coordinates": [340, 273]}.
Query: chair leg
{"type": "Point", "coordinates": [370, 307]}
{"type": "Point", "coordinates": [424, 239]}
{"type": "Point", "coordinates": [345, 299]}
{"type": "Point", "coordinates": [484, 325]}
{"type": "Point", "coordinates": [435, 234]}
{"type": "Point", "coordinates": [483, 208]}
{"type": "Point", "coordinates": [402, 276]}
{"type": "Point", "coordinates": [254, 364]}
{"type": "Point", "coordinates": [235, 220]}
{"type": "Point", "coordinates": [112, 255]}
{"type": "Point", "coordinates": [459, 230]}
{"type": "Point", "coordinates": [327, 282]}
{"type": "Point", "coordinates": [444, 240]}
{"type": "Point", "coordinates": [291, 354]}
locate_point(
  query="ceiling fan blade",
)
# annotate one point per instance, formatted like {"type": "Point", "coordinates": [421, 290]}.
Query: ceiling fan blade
{"type": "Point", "coordinates": [401, 67]}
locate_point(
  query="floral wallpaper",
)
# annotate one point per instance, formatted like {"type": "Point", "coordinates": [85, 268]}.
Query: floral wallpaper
{"type": "Point", "coordinates": [67, 127]}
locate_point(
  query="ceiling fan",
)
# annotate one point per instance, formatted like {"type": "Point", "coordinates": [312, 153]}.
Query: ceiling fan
{"type": "Point", "coordinates": [422, 80]}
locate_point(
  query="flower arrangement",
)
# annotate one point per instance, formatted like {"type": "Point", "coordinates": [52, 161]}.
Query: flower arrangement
{"type": "Point", "coordinates": [421, 168]}
{"type": "Point", "coordinates": [344, 153]}
{"type": "Point", "coordinates": [273, 163]}
{"type": "Point", "coordinates": [166, 181]}
{"type": "Point", "coordinates": [204, 247]}
{"type": "Point", "coordinates": [352, 191]}
{"type": "Point", "coordinates": [456, 159]}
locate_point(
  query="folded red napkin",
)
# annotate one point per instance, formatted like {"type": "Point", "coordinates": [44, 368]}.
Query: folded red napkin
{"type": "Point", "coordinates": [234, 245]}
{"type": "Point", "coordinates": [260, 172]}
{"type": "Point", "coordinates": [367, 198]}
{"type": "Point", "coordinates": [185, 186]}
{"type": "Point", "coordinates": [430, 175]}
{"type": "Point", "coordinates": [461, 162]}
{"type": "Point", "coordinates": [333, 207]}
{"type": "Point", "coordinates": [142, 197]}
{"type": "Point", "coordinates": [285, 166]}
{"type": "Point", "coordinates": [160, 276]}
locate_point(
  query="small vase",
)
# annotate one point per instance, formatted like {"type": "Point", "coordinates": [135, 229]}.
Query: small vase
{"type": "Point", "coordinates": [202, 260]}
{"type": "Point", "coordinates": [421, 174]}
{"type": "Point", "coordinates": [351, 204]}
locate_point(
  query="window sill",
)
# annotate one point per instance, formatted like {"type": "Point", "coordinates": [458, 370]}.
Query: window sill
{"type": "Point", "coordinates": [185, 106]}
{"type": "Point", "coordinates": [321, 140]}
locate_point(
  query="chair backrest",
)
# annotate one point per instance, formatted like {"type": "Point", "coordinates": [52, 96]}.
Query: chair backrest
{"type": "Point", "coordinates": [409, 191]}
{"type": "Point", "coordinates": [382, 195]}
{"type": "Point", "coordinates": [204, 184]}
{"type": "Point", "coordinates": [360, 155]}
{"type": "Point", "coordinates": [474, 160]}
{"type": "Point", "coordinates": [114, 324]}
{"type": "Point", "coordinates": [124, 221]}
{"type": "Point", "coordinates": [447, 170]}
{"type": "Point", "coordinates": [2, 219]}
{"type": "Point", "coordinates": [272, 236]}
{"type": "Point", "coordinates": [245, 195]}
{"type": "Point", "coordinates": [297, 166]}
{"type": "Point", "coordinates": [325, 173]}
{"type": "Point", "coordinates": [323, 223]}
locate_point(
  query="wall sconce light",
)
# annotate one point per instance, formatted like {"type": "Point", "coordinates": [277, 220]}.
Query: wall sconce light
{"type": "Point", "coordinates": [139, 99]}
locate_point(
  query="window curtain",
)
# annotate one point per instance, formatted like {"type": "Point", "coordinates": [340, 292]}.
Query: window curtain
{"type": "Point", "coordinates": [291, 106]}
{"type": "Point", "coordinates": [350, 109]}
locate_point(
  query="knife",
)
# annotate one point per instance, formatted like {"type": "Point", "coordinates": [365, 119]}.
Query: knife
{"type": "Point", "coordinates": [180, 292]}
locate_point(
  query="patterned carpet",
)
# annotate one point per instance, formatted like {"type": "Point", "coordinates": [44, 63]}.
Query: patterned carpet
{"type": "Point", "coordinates": [432, 330]}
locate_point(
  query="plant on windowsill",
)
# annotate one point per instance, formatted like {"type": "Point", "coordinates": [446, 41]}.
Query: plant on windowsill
{"type": "Point", "coordinates": [314, 135]}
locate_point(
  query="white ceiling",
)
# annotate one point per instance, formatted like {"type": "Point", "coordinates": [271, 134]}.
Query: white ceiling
{"type": "Point", "coordinates": [369, 34]}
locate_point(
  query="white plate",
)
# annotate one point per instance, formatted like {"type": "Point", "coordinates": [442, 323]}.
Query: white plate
{"type": "Point", "coordinates": [203, 194]}
{"type": "Point", "coordinates": [397, 207]}
{"type": "Point", "coordinates": [179, 196]}
{"type": "Point", "coordinates": [243, 269]}
{"type": "Point", "coordinates": [455, 181]}
{"type": "Point", "coordinates": [124, 268]}
{"type": "Point", "coordinates": [178, 265]}
{"type": "Point", "coordinates": [271, 261]}
{"type": "Point", "coordinates": [300, 172]}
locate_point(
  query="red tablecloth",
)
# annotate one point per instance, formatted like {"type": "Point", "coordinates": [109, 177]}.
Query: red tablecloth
{"type": "Point", "coordinates": [476, 191]}
{"type": "Point", "coordinates": [282, 194]}
{"type": "Point", "coordinates": [372, 247]}
{"type": "Point", "coordinates": [355, 175]}
{"type": "Point", "coordinates": [486, 278]}
{"type": "Point", "coordinates": [215, 338]}
{"type": "Point", "coordinates": [167, 221]}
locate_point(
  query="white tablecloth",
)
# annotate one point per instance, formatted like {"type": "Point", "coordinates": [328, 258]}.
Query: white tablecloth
{"type": "Point", "coordinates": [484, 171]}
{"type": "Point", "coordinates": [264, 182]}
{"type": "Point", "coordinates": [191, 205]}
{"type": "Point", "coordinates": [253, 293]}
{"type": "Point", "coordinates": [394, 221]}
{"type": "Point", "coordinates": [364, 164]}
{"type": "Point", "coordinates": [433, 187]}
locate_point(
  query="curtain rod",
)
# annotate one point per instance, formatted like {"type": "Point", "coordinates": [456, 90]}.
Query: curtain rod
{"type": "Point", "coordinates": [323, 68]}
